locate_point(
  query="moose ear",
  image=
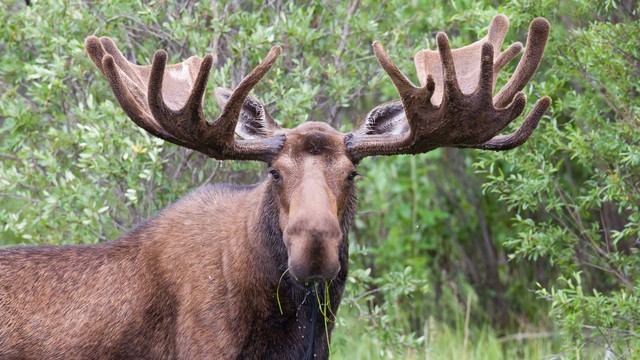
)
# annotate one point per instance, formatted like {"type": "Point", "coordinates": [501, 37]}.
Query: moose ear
{"type": "Point", "coordinates": [254, 121]}
{"type": "Point", "coordinates": [387, 118]}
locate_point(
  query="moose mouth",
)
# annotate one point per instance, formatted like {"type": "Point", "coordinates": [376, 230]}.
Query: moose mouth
{"type": "Point", "coordinates": [311, 282]}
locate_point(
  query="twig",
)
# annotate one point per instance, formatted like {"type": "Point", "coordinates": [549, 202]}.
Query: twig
{"type": "Point", "coordinates": [345, 32]}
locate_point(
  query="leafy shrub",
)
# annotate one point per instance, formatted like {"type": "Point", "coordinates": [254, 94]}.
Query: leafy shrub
{"type": "Point", "coordinates": [576, 195]}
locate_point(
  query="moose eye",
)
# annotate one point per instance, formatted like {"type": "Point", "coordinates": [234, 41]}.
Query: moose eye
{"type": "Point", "coordinates": [274, 174]}
{"type": "Point", "coordinates": [352, 175]}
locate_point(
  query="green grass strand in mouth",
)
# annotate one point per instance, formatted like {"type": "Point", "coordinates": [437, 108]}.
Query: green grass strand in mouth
{"type": "Point", "coordinates": [278, 291]}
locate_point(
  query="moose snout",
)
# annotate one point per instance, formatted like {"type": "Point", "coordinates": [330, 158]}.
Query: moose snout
{"type": "Point", "coordinates": [313, 249]}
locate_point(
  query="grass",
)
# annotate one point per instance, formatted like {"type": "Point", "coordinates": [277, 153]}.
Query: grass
{"type": "Point", "coordinates": [354, 339]}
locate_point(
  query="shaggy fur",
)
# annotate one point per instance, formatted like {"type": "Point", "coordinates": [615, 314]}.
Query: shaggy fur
{"type": "Point", "coordinates": [196, 281]}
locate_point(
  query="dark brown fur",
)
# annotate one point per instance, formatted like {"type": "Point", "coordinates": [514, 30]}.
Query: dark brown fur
{"type": "Point", "coordinates": [197, 281]}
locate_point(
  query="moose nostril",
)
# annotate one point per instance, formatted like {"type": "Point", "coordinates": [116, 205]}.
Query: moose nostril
{"type": "Point", "coordinates": [328, 229]}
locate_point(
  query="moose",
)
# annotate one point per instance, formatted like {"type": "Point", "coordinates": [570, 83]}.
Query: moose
{"type": "Point", "coordinates": [233, 272]}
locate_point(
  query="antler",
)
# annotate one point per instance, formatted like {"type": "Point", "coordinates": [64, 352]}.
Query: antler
{"type": "Point", "coordinates": [167, 101]}
{"type": "Point", "coordinates": [455, 106]}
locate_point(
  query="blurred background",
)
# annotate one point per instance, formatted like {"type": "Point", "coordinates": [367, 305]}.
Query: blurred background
{"type": "Point", "coordinates": [455, 254]}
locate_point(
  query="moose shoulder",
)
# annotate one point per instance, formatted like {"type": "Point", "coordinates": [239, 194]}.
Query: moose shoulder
{"type": "Point", "coordinates": [234, 272]}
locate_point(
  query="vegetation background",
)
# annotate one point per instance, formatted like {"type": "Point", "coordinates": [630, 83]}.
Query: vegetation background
{"type": "Point", "coordinates": [456, 254]}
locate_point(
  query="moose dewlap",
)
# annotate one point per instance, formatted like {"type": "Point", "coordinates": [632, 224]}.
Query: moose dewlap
{"type": "Point", "coordinates": [232, 272]}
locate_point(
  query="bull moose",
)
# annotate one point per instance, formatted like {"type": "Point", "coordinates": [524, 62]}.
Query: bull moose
{"type": "Point", "coordinates": [229, 272]}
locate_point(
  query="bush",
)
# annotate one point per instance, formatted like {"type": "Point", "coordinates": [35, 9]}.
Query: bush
{"type": "Point", "coordinates": [576, 195]}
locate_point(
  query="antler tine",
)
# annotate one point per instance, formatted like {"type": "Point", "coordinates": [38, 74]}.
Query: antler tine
{"type": "Point", "coordinates": [520, 136]}
{"type": "Point", "coordinates": [485, 82]}
{"type": "Point", "coordinates": [95, 51]}
{"type": "Point", "coordinates": [452, 88]}
{"type": "Point", "coordinates": [129, 69]}
{"type": "Point", "coordinates": [504, 58]}
{"type": "Point", "coordinates": [404, 86]}
{"type": "Point", "coordinates": [498, 30]}
{"type": "Point", "coordinates": [536, 43]}
{"type": "Point", "coordinates": [496, 34]}
{"type": "Point", "coordinates": [229, 117]}
{"type": "Point", "coordinates": [187, 122]}
{"type": "Point", "coordinates": [175, 113]}
{"type": "Point", "coordinates": [194, 103]}
{"type": "Point", "coordinates": [123, 95]}
{"type": "Point", "coordinates": [155, 98]}
{"type": "Point", "coordinates": [484, 92]}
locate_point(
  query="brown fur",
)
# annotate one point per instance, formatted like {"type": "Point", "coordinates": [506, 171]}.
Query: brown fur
{"type": "Point", "coordinates": [197, 281]}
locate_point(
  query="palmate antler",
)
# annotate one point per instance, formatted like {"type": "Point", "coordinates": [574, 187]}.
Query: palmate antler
{"type": "Point", "coordinates": [455, 106]}
{"type": "Point", "coordinates": [167, 101]}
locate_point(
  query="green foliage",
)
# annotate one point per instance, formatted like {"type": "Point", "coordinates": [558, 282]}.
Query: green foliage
{"type": "Point", "coordinates": [575, 194]}
{"type": "Point", "coordinates": [449, 249]}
